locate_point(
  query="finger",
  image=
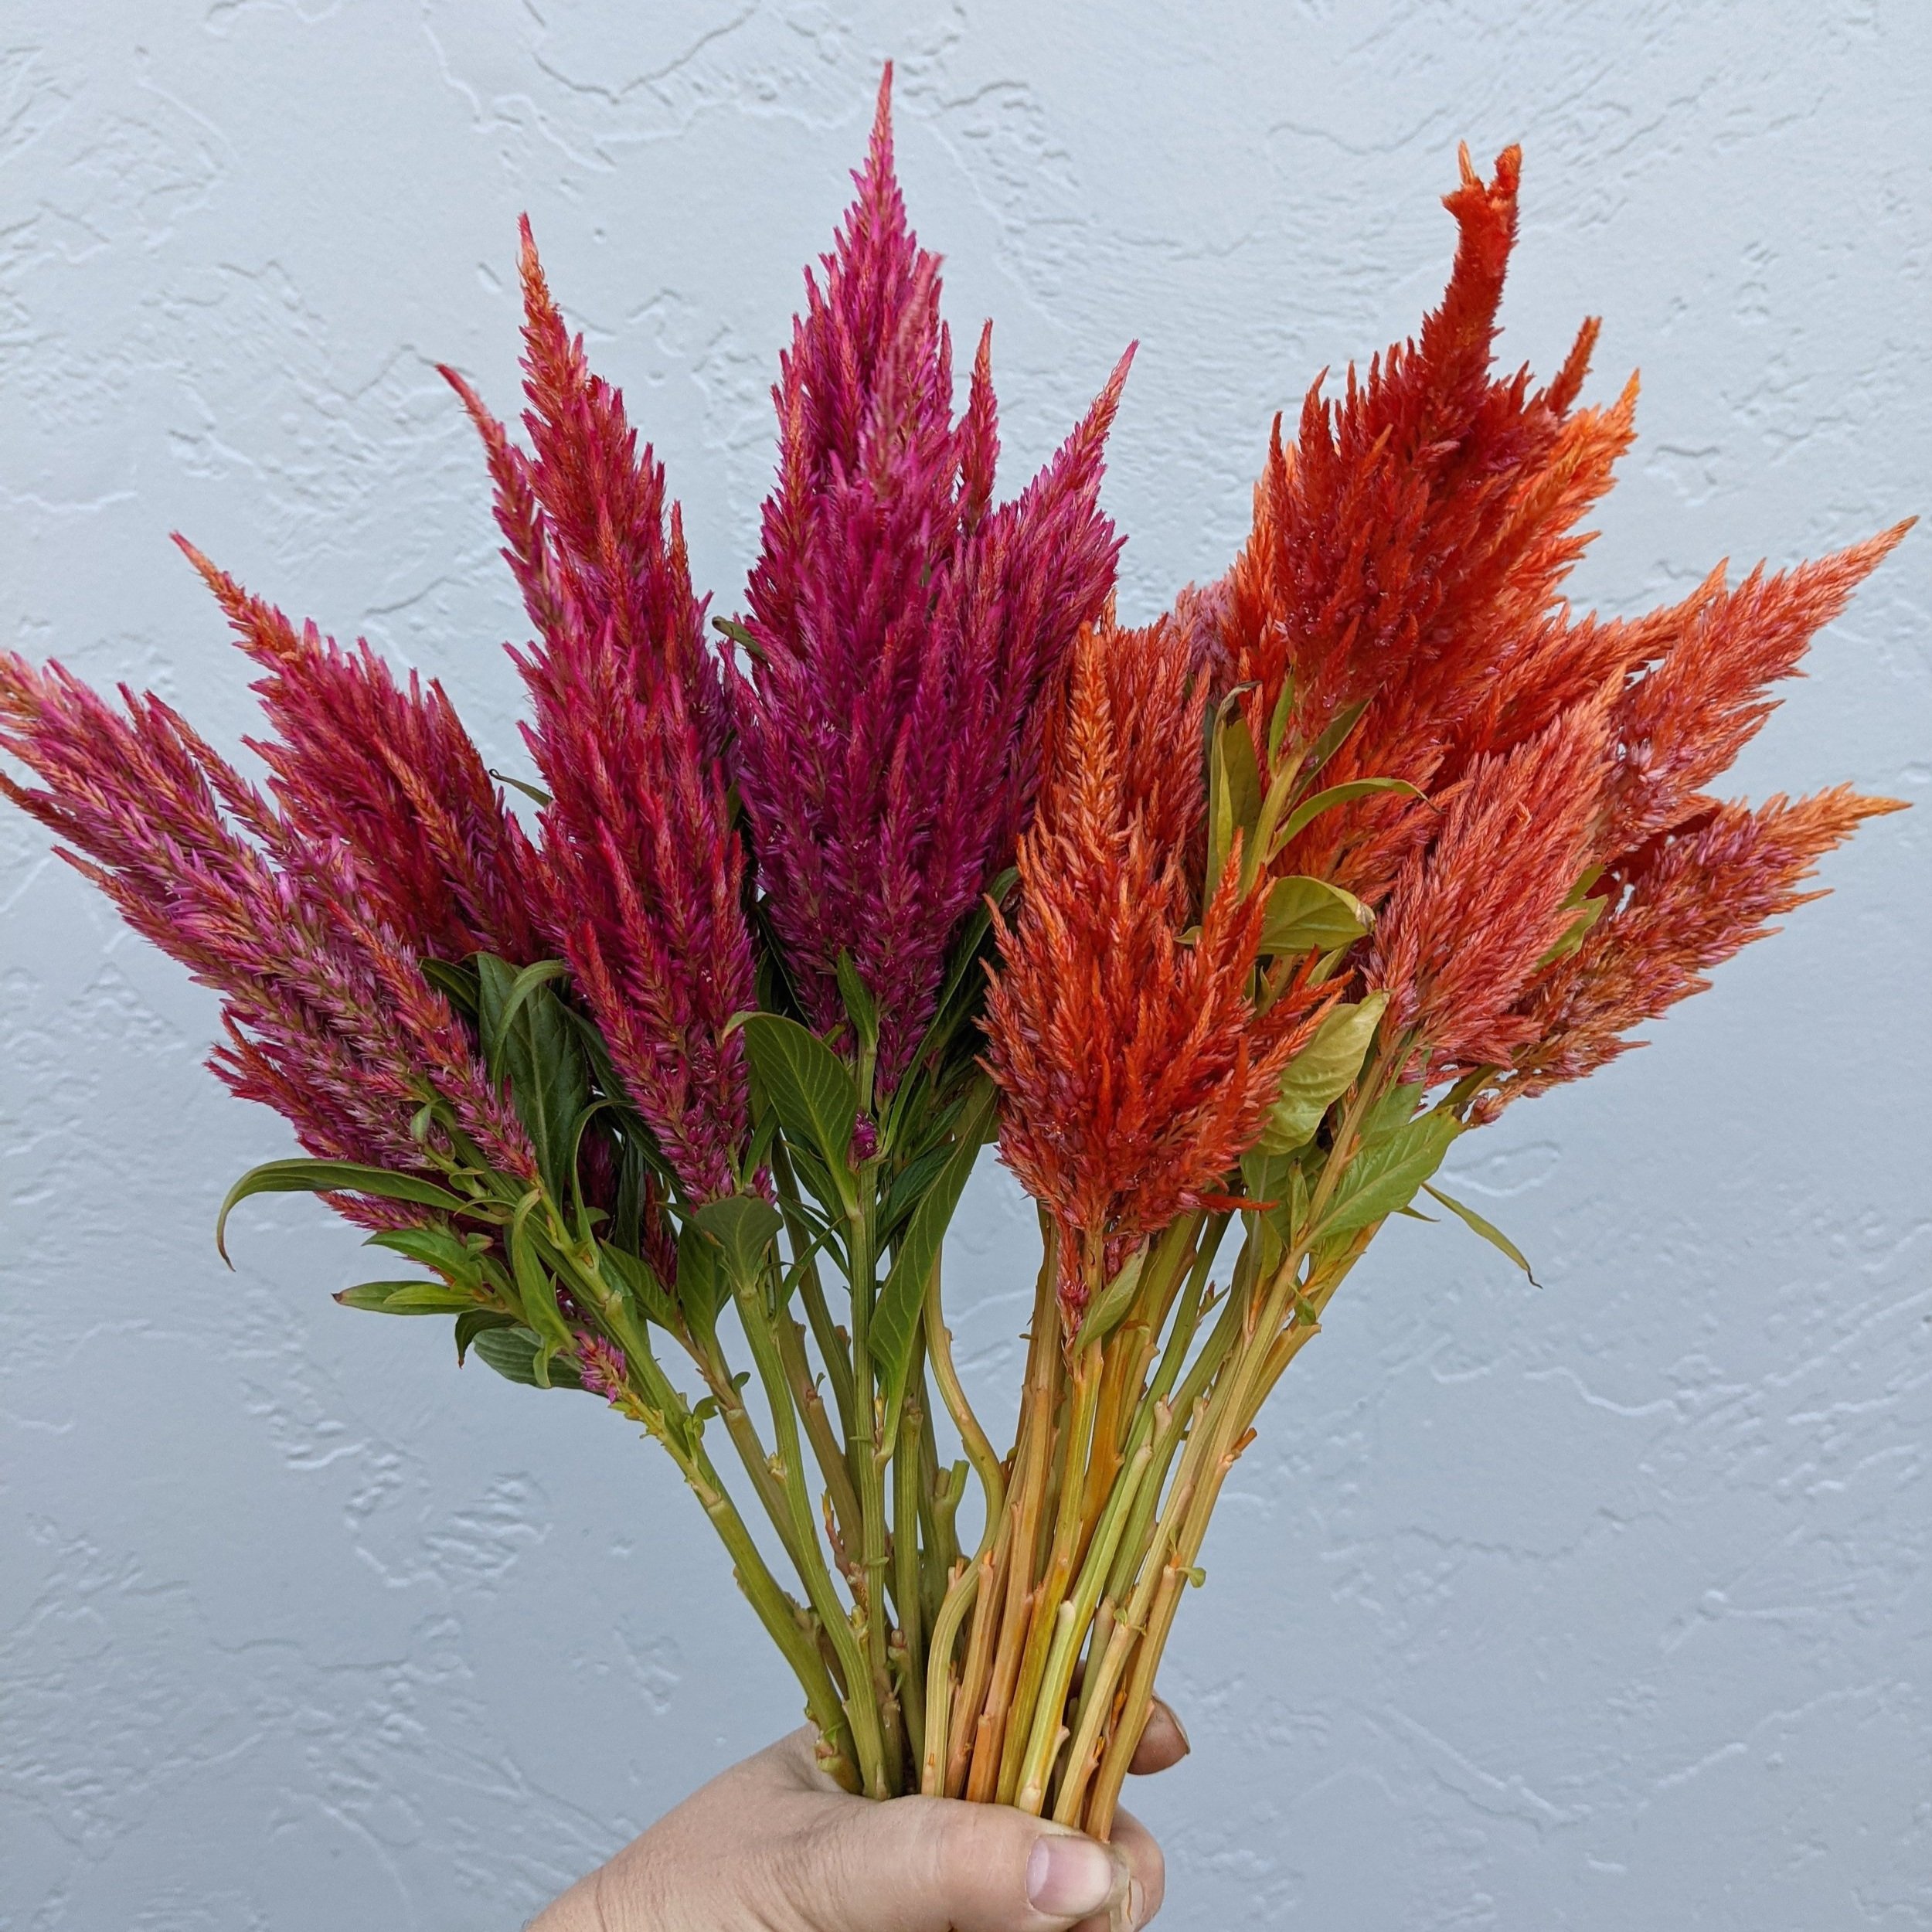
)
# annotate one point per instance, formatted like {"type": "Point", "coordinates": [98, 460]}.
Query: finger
{"type": "Point", "coordinates": [1163, 1742]}
{"type": "Point", "coordinates": [928, 1864]}
{"type": "Point", "coordinates": [1146, 1884]}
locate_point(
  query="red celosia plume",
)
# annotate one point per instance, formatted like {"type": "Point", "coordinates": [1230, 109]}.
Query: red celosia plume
{"type": "Point", "coordinates": [645, 869]}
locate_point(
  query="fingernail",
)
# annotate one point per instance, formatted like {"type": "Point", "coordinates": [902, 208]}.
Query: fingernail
{"type": "Point", "coordinates": [1135, 1909]}
{"type": "Point", "coordinates": [1187, 1742]}
{"type": "Point", "coordinates": [1069, 1877]}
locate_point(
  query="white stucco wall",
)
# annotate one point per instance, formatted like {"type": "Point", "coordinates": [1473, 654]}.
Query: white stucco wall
{"type": "Point", "coordinates": [1603, 1607]}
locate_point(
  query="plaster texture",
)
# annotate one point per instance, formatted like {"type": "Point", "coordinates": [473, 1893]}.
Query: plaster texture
{"type": "Point", "coordinates": [1605, 1606]}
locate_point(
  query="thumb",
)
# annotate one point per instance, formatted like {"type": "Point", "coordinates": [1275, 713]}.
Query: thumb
{"type": "Point", "coordinates": [929, 1864]}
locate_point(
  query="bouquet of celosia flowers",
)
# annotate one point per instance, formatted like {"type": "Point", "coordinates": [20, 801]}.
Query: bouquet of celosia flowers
{"type": "Point", "coordinates": [1225, 926]}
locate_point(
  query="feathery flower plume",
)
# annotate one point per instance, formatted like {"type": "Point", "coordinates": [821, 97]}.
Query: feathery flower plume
{"type": "Point", "coordinates": [390, 772]}
{"type": "Point", "coordinates": [901, 628]}
{"type": "Point", "coordinates": [1414, 533]}
{"type": "Point", "coordinates": [1134, 1067]}
{"type": "Point", "coordinates": [1473, 913]}
{"type": "Point", "coordinates": [328, 1016]}
{"type": "Point", "coordinates": [1684, 903]}
{"type": "Point", "coordinates": [645, 870]}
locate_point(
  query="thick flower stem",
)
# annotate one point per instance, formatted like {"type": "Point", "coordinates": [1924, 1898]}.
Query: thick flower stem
{"type": "Point", "coordinates": [907, 1469]}
{"type": "Point", "coordinates": [819, 1431]}
{"type": "Point", "coordinates": [820, 1590]}
{"type": "Point", "coordinates": [868, 1455]}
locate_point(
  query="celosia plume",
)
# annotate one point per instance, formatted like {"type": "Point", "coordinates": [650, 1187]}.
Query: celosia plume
{"type": "Point", "coordinates": [329, 1017]}
{"type": "Point", "coordinates": [901, 628]}
{"type": "Point", "coordinates": [390, 772]}
{"type": "Point", "coordinates": [1134, 1067]}
{"type": "Point", "coordinates": [1685, 902]}
{"type": "Point", "coordinates": [645, 870]}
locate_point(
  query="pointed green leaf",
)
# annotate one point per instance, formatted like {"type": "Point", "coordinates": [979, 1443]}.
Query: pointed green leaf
{"type": "Point", "coordinates": [456, 983]}
{"type": "Point", "coordinates": [535, 1288]}
{"type": "Point", "coordinates": [861, 1009]}
{"type": "Point", "coordinates": [1395, 1109]}
{"type": "Point", "coordinates": [894, 1320]}
{"type": "Point", "coordinates": [1489, 1232]}
{"type": "Point", "coordinates": [1110, 1306]}
{"type": "Point", "coordinates": [1320, 1074]}
{"type": "Point", "coordinates": [330, 1177]}
{"type": "Point", "coordinates": [405, 1297]}
{"type": "Point", "coordinates": [744, 1227]}
{"type": "Point", "coordinates": [809, 1087]}
{"type": "Point", "coordinates": [1385, 1176]}
{"type": "Point", "coordinates": [639, 1280]}
{"type": "Point", "coordinates": [518, 1356]}
{"type": "Point", "coordinates": [536, 793]}
{"type": "Point", "coordinates": [1310, 809]}
{"type": "Point", "coordinates": [475, 1321]}
{"type": "Point", "coordinates": [529, 1040]}
{"type": "Point", "coordinates": [1332, 739]}
{"type": "Point", "coordinates": [702, 1286]}
{"type": "Point", "coordinates": [1278, 720]}
{"type": "Point", "coordinates": [1310, 916]}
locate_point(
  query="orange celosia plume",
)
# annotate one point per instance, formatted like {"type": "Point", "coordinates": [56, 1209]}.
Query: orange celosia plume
{"type": "Point", "coordinates": [1135, 1065]}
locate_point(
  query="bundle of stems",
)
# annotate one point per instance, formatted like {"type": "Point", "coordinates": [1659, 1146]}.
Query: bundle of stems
{"type": "Point", "coordinates": [1225, 927]}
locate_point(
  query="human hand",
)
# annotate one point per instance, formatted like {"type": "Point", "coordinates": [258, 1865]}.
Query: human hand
{"type": "Point", "coordinates": [774, 1845]}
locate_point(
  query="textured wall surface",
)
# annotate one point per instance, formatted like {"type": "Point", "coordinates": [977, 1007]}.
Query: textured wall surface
{"type": "Point", "coordinates": [1603, 1607]}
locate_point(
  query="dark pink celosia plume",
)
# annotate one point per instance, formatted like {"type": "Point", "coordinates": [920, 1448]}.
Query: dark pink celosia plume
{"type": "Point", "coordinates": [902, 628]}
{"type": "Point", "coordinates": [645, 870]}
{"type": "Point", "coordinates": [329, 1017]}
{"type": "Point", "coordinates": [388, 770]}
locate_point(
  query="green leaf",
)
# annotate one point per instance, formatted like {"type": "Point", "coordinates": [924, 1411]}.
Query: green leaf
{"type": "Point", "coordinates": [638, 1280]}
{"type": "Point", "coordinates": [1489, 1232]}
{"type": "Point", "coordinates": [1331, 740]}
{"type": "Point", "coordinates": [1395, 1109]}
{"type": "Point", "coordinates": [405, 1297]}
{"type": "Point", "coordinates": [529, 1040]}
{"type": "Point", "coordinates": [744, 1227]}
{"type": "Point", "coordinates": [1234, 789]}
{"type": "Point", "coordinates": [1310, 916]}
{"type": "Point", "coordinates": [1109, 1307]}
{"type": "Point", "coordinates": [518, 1356]}
{"type": "Point", "coordinates": [456, 983]}
{"type": "Point", "coordinates": [702, 1286]}
{"type": "Point", "coordinates": [1278, 721]}
{"type": "Point", "coordinates": [536, 792]}
{"type": "Point", "coordinates": [741, 636]}
{"type": "Point", "coordinates": [861, 1009]}
{"type": "Point", "coordinates": [440, 1248]}
{"type": "Point", "coordinates": [809, 1087]}
{"type": "Point", "coordinates": [1320, 1074]}
{"type": "Point", "coordinates": [1310, 809]}
{"type": "Point", "coordinates": [1586, 914]}
{"type": "Point", "coordinates": [895, 1319]}
{"type": "Point", "coordinates": [535, 1288]}
{"type": "Point", "coordinates": [475, 1321]}
{"type": "Point", "coordinates": [331, 1177]}
{"type": "Point", "coordinates": [1386, 1175]}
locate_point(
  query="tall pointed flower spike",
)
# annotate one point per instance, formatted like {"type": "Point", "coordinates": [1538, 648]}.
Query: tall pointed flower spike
{"type": "Point", "coordinates": [645, 871]}
{"type": "Point", "coordinates": [1134, 1068]}
{"type": "Point", "coordinates": [904, 628]}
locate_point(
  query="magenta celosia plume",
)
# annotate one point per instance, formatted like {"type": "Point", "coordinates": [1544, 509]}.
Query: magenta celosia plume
{"type": "Point", "coordinates": [329, 1017]}
{"type": "Point", "coordinates": [902, 628]}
